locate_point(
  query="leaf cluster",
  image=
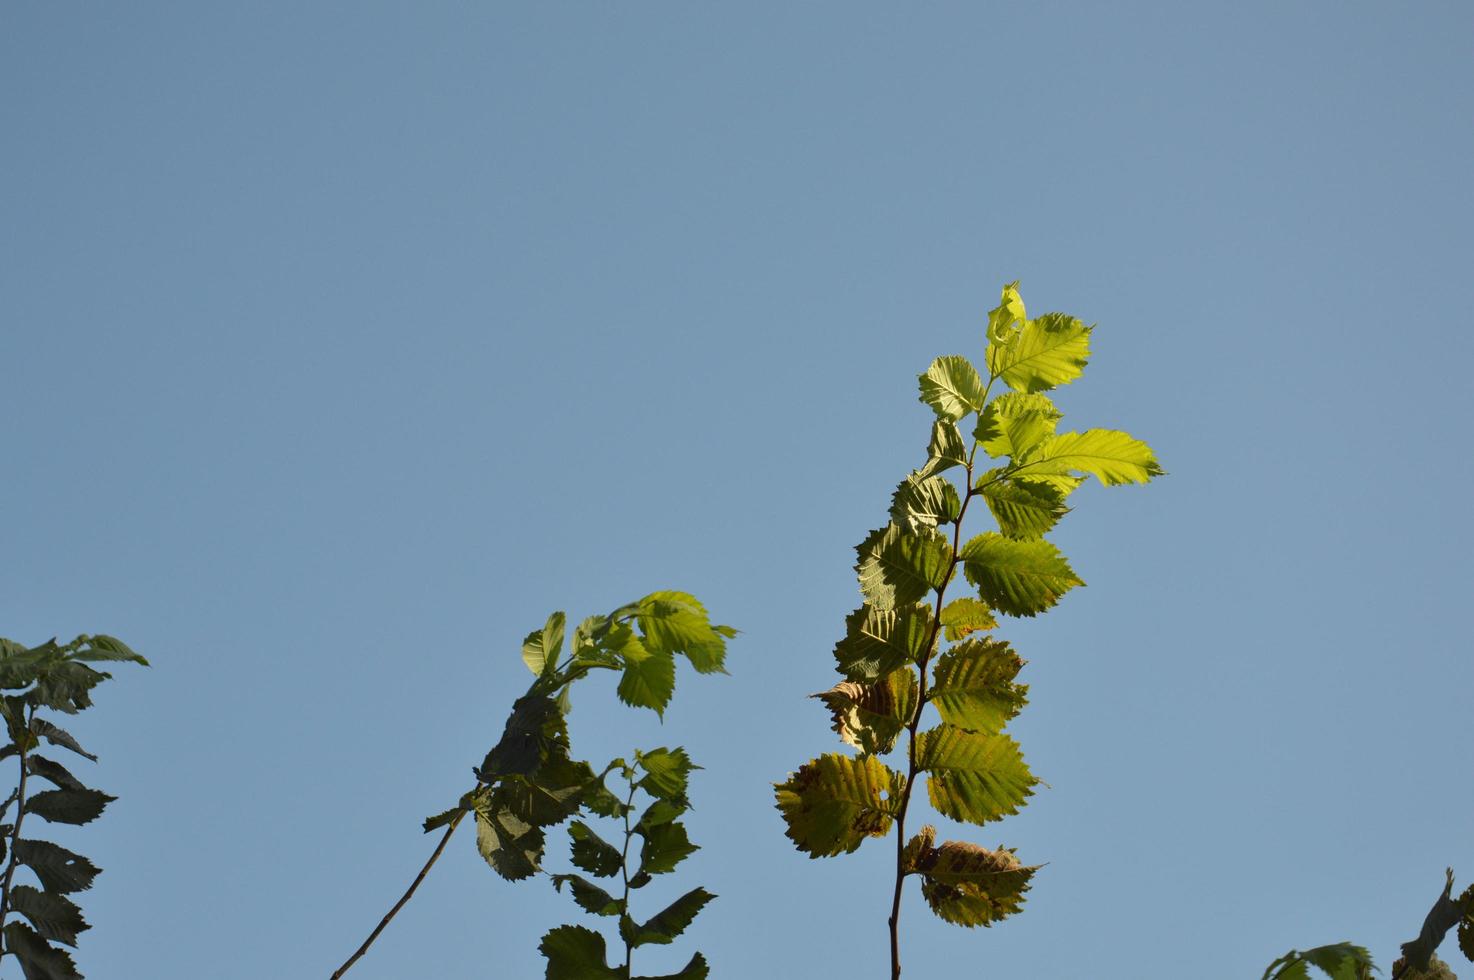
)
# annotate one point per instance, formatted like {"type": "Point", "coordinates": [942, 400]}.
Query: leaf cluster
{"type": "Point", "coordinates": [907, 647]}
{"type": "Point", "coordinates": [57, 677]}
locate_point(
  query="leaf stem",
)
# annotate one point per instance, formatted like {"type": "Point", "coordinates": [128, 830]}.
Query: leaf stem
{"type": "Point", "coordinates": [915, 722]}
{"type": "Point", "coordinates": [624, 869]}
{"type": "Point", "coordinates": [20, 813]}
{"type": "Point", "coordinates": [445, 839]}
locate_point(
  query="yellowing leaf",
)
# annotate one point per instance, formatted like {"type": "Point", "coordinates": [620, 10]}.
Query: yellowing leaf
{"type": "Point", "coordinates": [871, 716]}
{"type": "Point", "coordinates": [970, 885]}
{"type": "Point", "coordinates": [834, 802]}
{"type": "Point", "coordinates": [973, 685]}
{"type": "Point", "coordinates": [973, 777]}
{"type": "Point", "coordinates": [966, 616]}
{"type": "Point", "coordinates": [952, 388]}
{"type": "Point", "coordinates": [1006, 316]}
{"type": "Point", "coordinates": [1043, 354]}
{"type": "Point", "coordinates": [1112, 457]}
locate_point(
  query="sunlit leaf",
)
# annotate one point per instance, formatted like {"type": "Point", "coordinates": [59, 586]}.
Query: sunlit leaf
{"type": "Point", "coordinates": [965, 616]}
{"type": "Point", "coordinates": [973, 777]}
{"type": "Point", "coordinates": [1019, 578]}
{"type": "Point", "coordinates": [1110, 456]}
{"type": "Point", "coordinates": [1008, 316]}
{"type": "Point", "coordinates": [946, 450]}
{"type": "Point", "coordinates": [675, 622]}
{"type": "Point", "coordinates": [871, 716]}
{"type": "Point", "coordinates": [1341, 961]}
{"type": "Point", "coordinates": [1024, 509]}
{"type": "Point", "coordinates": [1014, 423]}
{"type": "Point", "coordinates": [920, 505]}
{"type": "Point", "coordinates": [952, 388]}
{"type": "Point", "coordinates": [898, 568]}
{"type": "Point", "coordinates": [649, 677]}
{"type": "Point", "coordinates": [1042, 354]}
{"type": "Point", "coordinates": [877, 641]}
{"type": "Point", "coordinates": [973, 686]}
{"type": "Point", "coordinates": [541, 648]}
{"type": "Point", "coordinates": [666, 772]}
{"type": "Point", "coordinates": [834, 802]}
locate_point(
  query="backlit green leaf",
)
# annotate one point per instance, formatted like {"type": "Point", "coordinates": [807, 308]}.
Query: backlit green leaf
{"type": "Point", "coordinates": [1024, 509]}
{"type": "Point", "coordinates": [1341, 961]}
{"type": "Point", "coordinates": [576, 953]}
{"type": "Point", "coordinates": [1007, 317]}
{"type": "Point", "coordinates": [952, 388]}
{"type": "Point", "coordinates": [665, 926]}
{"type": "Point", "coordinates": [73, 806]}
{"type": "Point", "coordinates": [649, 677]}
{"type": "Point", "coordinates": [1112, 457]}
{"type": "Point", "coordinates": [666, 772]}
{"type": "Point", "coordinates": [104, 648]}
{"type": "Point", "coordinates": [1014, 423]}
{"type": "Point", "coordinates": [965, 616]}
{"type": "Point", "coordinates": [920, 505]}
{"type": "Point", "coordinates": [58, 868]}
{"type": "Point", "coordinates": [1019, 578]}
{"type": "Point", "coordinates": [945, 450]}
{"type": "Point", "coordinates": [871, 716]}
{"type": "Point", "coordinates": [665, 846]}
{"type": "Point", "coordinates": [675, 622]}
{"type": "Point", "coordinates": [55, 917]}
{"type": "Point", "coordinates": [897, 568]}
{"type": "Point", "coordinates": [877, 641]}
{"type": "Point", "coordinates": [973, 777]}
{"type": "Point", "coordinates": [973, 685]}
{"type": "Point", "coordinates": [589, 896]}
{"type": "Point", "coordinates": [970, 885]}
{"type": "Point", "coordinates": [541, 648]}
{"type": "Point", "coordinates": [834, 802]}
{"type": "Point", "coordinates": [1042, 354]}
{"type": "Point", "coordinates": [592, 853]}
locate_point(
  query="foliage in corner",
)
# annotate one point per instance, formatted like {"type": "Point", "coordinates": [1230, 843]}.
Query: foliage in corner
{"type": "Point", "coordinates": [891, 658]}
{"type": "Point", "coordinates": [1340, 961]}
{"type": "Point", "coordinates": [529, 781]}
{"type": "Point", "coordinates": [578, 953]}
{"type": "Point", "coordinates": [53, 677]}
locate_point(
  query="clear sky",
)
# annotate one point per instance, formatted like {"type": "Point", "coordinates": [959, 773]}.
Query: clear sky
{"type": "Point", "coordinates": [344, 341]}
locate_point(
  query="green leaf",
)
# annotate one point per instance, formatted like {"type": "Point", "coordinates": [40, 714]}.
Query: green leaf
{"type": "Point", "coordinates": [920, 505]}
{"type": "Point", "coordinates": [534, 730]}
{"type": "Point", "coordinates": [42, 728]}
{"type": "Point", "coordinates": [442, 819]}
{"type": "Point", "coordinates": [898, 568]}
{"type": "Point", "coordinates": [1008, 316]}
{"type": "Point", "coordinates": [675, 622]}
{"type": "Point", "coordinates": [1024, 509]}
{"type": "Point", "coordinates": [589, 896]}
{"type": "Point", "coordinates": [56, 918]}
{"type": "Point", "coordinates": [952, 388]}
{"type": "Point", "coordinates": [665, 846]}
{"type": "Point", "coordinates": [970, 885]}
{"type": "Point", "coordinates": [965, 616]}
{"type": "Point", "coordinates": [1013, 423]}
{"type": "Point", "coordinates": [103, 648]}
{"type": "Point", "coordinates": [39, 960]}
{"type": "Point", "coordinates": [973, 777]}
{"type": "Point", "coordinates": [1042, 354]}
{"type": "Point", "coordinates": [549, 796]}
{"type": "Point", "coordinates": [871, 716]}
{"type": "Point", "coordinates": [1341, 961]}
{"type": "Point", "coordinates": [649, 677]}
{"type": "Point", "coordinates": [576, 953]}
{"type": "Point", "coordinates": [66, 687]}
{"type": "Point", "coordinates": [659, 812]}
{"type": "Point", "coordinates": [973, 685]}
{"type": "Point", "coordinates": [945, 450]}
{"type": "Point", "coordinates": [55, 772]}
{"type": "Point", "coordinates": [696, 969]}
{"type": "Point", "coordinates": [1019, 578]}
{"type": "Point", "coordinates": [73, 806]}
{"type": "Point", "coordinates": [877, 641]}
{"type": "Point", "coordinates": [666, 773]}
{"type": "Point", "coordinates": [663, 928]}
{"type": "Point", "coordinates": [592, 853]}
{"type": "Point", "coordinates": [541, 648]}
{"type": "Point", "coordinates": [513, 847]}
{"type": "Point", "coordinates": [834, 802]}
{"type": "Point", "coordinates": [58, 868]}
{"type": "Point", "coordinates": [1110, 456]}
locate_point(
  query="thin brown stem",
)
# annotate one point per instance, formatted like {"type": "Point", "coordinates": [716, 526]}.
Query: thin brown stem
{"type": "Point", "coordinates": [454, 822]}
{"type": "Point", "coordinates": [624, 868]}
{"type": "Point", "coordinates": [914, 724]}
{"type": "Point", "coordinates": [20, 813]}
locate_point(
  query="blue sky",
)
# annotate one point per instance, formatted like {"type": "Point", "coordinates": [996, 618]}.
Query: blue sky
{"type": "Point", "coordinates": [343, 342]}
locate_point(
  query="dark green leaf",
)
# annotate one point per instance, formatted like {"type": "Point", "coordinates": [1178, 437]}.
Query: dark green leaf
{"type": "Point", "coordinates": [74, 806]}
{"type": "Point", "coordinates": [54, 771]}
{"type": "Point", "coordinates": [56, 736]}
{"type": "Point", "coordinates": [834, 802]}
{"type": "Point", "coordinates": [897, 568]}
{"type": "Point", "coordinates": [877, 641]}
{"type": "Point", "coordinates": [694, 970]}
{"type": "Point", "coordinates": [659, 812]}
{"type": "Point", "coordinates": [592, 853]}
{"type": "Point", "coordinates": [39, 960]}
{"type": "Point", "coordinates": [58, 868]}
{"type": "Point", "coordinates": [534, 727]}
{"type": "Point", "coordinates": [100, 648]}
{"type": "Point", "coordinates": [576, 953]}
{"type": "Point", "coordinates": [920, 505]}
{"type": "Point", "coordinates": [549, 796]}
{"type": "Point", "coordinates": [665, 846]}
{"type": "Point", "coordinates": [512, 847]}
{"type": "Point", "coordinates": [442, 819]}
{"type": "Point", "coordinates": [1020, 578]}
{"type": "Point", "coordinates": [589, 896]}
{"type": "Point", "coordinates": [664, 927]}
{"type": "Point", "coordinates": [55, 917]}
